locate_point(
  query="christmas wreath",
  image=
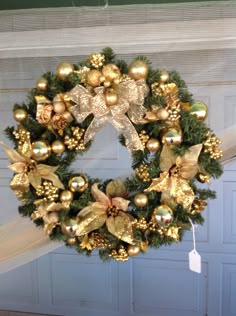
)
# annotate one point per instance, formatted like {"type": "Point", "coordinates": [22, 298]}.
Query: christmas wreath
{"type": "Point", "coordinates": [160, 124]}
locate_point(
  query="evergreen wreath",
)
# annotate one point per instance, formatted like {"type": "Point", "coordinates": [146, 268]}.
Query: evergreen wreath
{"type": "Point", "coordinates": [160, 124]}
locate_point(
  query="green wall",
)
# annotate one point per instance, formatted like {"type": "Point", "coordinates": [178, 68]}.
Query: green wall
{"type": "Point", "coordinates": [26, 4]}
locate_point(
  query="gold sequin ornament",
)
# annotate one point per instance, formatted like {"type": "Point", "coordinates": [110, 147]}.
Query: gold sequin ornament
{"type": "Point", "coordinates": [48, 191]}
{"type": "Point", "coordinates": [140, 200]}
{"type": "Point", "coordinates": [20, 115]}
{"type": "Point", "coordinates": [120, 255]}
{"type": "Point", "coordinates": [143, 173]}
{"type": "Point", "coordinates": [133, 250]}
{"type": "Point", "coordinates": [78, 183]}
{"type": "Point", "coordinates": [198, 206]}
{"type": "Point", "coordinates": [93, 78]}
{"type": "Point", "coordinates": [40, 150]}
{"type": "Point", "coordinates": [143, 137]}
{"type": "Point", "coordinates": [211, 146]}
{"type": "Point", "coordinates": [64, 69]}
{"type": "Point", "coordinates": [153, 145]}
{"type": "Point", "coordinates": [42, 84]}
{"type": "Point", "coordinates": [76, 141]}
{"type": "Point", "coordinates": [96, 60]}
{"type": "Point", "coordinates": [138, 70]}
{"type": "Point", "coordinates": [111, 73]}
{"type": "Point", "coordinates": [58, 147]}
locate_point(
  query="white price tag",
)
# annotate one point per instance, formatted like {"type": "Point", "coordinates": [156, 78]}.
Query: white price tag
{"type": "Point", "coordinates": [194, 261]}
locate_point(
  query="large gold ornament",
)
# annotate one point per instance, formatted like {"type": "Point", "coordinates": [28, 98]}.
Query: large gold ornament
{"type": "Point", "coordinates": [69, 227]}
{"type": "Point", "coordinates": [199, 109]}
{"type": "Point", "coordinates": [172, 136]}
{"type": "Point", "coordinates": [111, 73]}
{"type": "Point", "coordinates": [138, 70]}
{"type": "Point", "coordinates": [78, 183]}
{"type": "Point", "coordinates": [133, 250]}
{"type": "Point", "coordinates": [162, 215]}
{"type": "Point", "coordinates": [40, 150]}
{"type": "Point", "coordinates": [64, 69]}
{"type": "Point", "coordinates": [93, 78]}
{"type": "Point", "coordinates": [20, 115]}
{"type": "Point", "coordinates": [153, 145]}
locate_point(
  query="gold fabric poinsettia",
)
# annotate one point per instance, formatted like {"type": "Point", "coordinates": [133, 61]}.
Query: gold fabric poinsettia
{"type": "Point", "coordinates": [177, 171]}
{"type": "Point", "coordinates": [131, 96]}
{"type": "Point", "coordinates": [27, 170]}
{"type": "Point", "coordinates": [109, 210]}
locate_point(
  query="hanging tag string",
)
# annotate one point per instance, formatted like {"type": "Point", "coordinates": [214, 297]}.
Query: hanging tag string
{"type": "Point", "coordinates": [193, 228]}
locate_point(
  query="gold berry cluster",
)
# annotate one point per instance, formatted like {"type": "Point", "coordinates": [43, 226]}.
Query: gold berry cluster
{"type": "Point", "coordinates": [76, 141]}
{"type": "Point", "coordinates": [140, 223]}
{"type": "Point", "coordinates": [48, 191]}
{"type": "Point", "coordinates": [143, 137]}
{"type": "Point", "coordinates": [120, 255]}
{"type": "Point", "coordinates": [211, 146]}
{"type": "Point", "coordinates": [97, 60]}
{"type": "Point", "coordinates": [143, 173]}
{"type": "Point", "coordinates": [22, 135]}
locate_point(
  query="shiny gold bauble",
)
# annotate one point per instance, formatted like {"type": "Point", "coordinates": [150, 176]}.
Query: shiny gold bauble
{"type": "Point", "coordinates": [69, 227]}
{"type": "Point", "coordinates": [58, 147]}
{"type": "Point", "coordinates": [164, 76]}
{"type": "Point", "coordinates": [67, 116]}
{"type": "Point", "coordinates": [162, 114]}
{"type": "Point", "coordinates": [78, 183]}
{"type": "Point", "coordinates": [93, 78]}
{"type": "Point", "coordinates": [71, 241]}
{"type": "Point", "coordinates": [140, 200]}
{"type": "Point", "coordinates": [203, 178]}
{"type": "Point", "coordinates": [111, 72]}
{"type": "Point", "coordinates": [20, 115]}
{"type": "Point", "coordinates": [53, 217]}
{"type": "Point", "coordinates": [172, 136]}
{"type": "Point", "coordinates": [59, 107]}
{"type": "Point", "coordinates": [40, 150]}
{"type": "Point", "coordinates": [66, 196]}
{"type": "Point", "coordinates": [199, 109]}
{"type": "Point", "coordinates": [153, 145]}
{"type": "Point", "coordinates": [42, 84]}
{"type": "Point", "coordinates": [64, 69]}
{"type": "Point", "coordinates": [111, 97]}
{"type": "Point", "coordinates": [138, 70]}
{"type": "Point", "coordinates": [162, 215]}
{"type": "Point", "coordinates": [133, 250]}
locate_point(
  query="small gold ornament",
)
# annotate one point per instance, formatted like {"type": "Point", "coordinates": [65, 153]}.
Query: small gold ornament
{"type": "Point", "coordinates": [164, 76]}
{"type": "Point", "coordinates": [59, 105]}
{"type": "Point", "coordinates": [199, 109]}
{"type": "Point", "coordinates": [20, 115]}
{"type": "Point", "coordinates": [172, 136]}
{"type": "Point", "coordinates": [162, 114]}
{"type": "Point", "coordinates": [162, 215]}
{"type": "Point", "coordinates": [42, 84]}
{"type": "Point", "coordinates": [133, 250]}
{"type": "Point", "coordinates": [40, 150]}
{"type": "Point", "coordinates": [143, 173]}
{"type": "Point", "coordinates": [58, 147]}
{"type": "Point", "coordinates": [96, 60]}
{"type": "Point", "coordinates": [66, 196]}
{"type": "Point", "coordinates": [67, 116]}
{"type": "Point", "coordinates": [203, 178]}
{"type": "Point", "coordinates": [111, 72]}
{"type": "Point", "coordinates": [138, 70]}
{"type": "Point", "coordinates": [140, 200]}
{"type": "Point", "coordinates": [120, 255]}
{"type": "Point", "coordinates": [64, 69]}
{"type": "Point", "coordinates": [111, 97]}
{"type": "Point", "coordinates": [93, 78]}
{"type": "Point", "coordinates": [69, 227]}
{"type": "Point", "coordinates": [153, 145]}
{"type": "Point", "coordinates": [71, 241]}
{"type": "Point", "coordinates": [78, 183]}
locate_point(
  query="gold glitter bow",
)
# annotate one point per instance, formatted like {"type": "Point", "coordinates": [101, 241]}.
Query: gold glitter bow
{"type": "Point", "coordinates": [177, 171]}
{"type": "Point", "coordinates": [27, 171]}
{"type": "Point", "coordinates": [131, 96]}
{"type": "Point", "coordinates": [48, 212]}
{"type": "Point", "coordinates": [106, 209]}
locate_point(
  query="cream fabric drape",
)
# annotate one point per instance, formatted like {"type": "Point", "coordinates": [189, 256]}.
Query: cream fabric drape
{"type": "Point", "coordinates": [25, 242]}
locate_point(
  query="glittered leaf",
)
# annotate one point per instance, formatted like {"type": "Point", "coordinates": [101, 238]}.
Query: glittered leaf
{"type": "Point", "coordinates": [18, 167]}
{"type": "Point", "coordinates": [99, 196]}
{"type": "Point", "coordinates": [12, 154]}
{"type": "Point", "coordinates": [167, 158]}
{"type": "Point", "coordinates": [121, 227]}
{"type": "Point", "coordinates": [182, 192]}
{"type": "Point", "coordinates": [34, 179]}
{"type": "Point", "coordinates": [159, 184]}
{"type": "Point", "coordinates": [120, 203]}
{"type": "Point", "coordinates": [116, 188]}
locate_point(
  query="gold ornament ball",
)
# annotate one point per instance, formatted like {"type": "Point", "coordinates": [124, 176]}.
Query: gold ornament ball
{"type": "Point", "coordinates": [172, 136]}
{"type": "Point", "coordinates": [71, 241]}
{"type": "Point", "coordinates": [67, 116]}
{"type": "Point", "coordinates": [20, 115]}
{"type": "Point", "coordinates": [199, 109]}
{"type": "Point", "coordinates": [42, 84]}
{"type": "Point", "coordinates": [78, 183]}
{"type": "Point", "coordinates": [69, 227]}
{"type": "Point", "coordinates": [53, 217]}
{"type": "Point", "coordinates": [58, 147]}
{"type": "Point", "coordinates": [64, 69]}
{"type": "Point", "coordinates": [93, 78]}
{"type": "Point", "coordinates": [66, 196]}
{"type": "Point", "coordinates": [162, 114]}
{"type": "Point", "coordinates": [203, 178]}
{"type": "Point", "coordinates": [138, 70]}
{"type": "Point", "coordinates": [164, 76]}
{"type": "Point", "coordinates": [111, 72]}
{"type": "Point", "coordinates": [59, 107]}
{"type": "Point", "coordinates": [163, 215]}
{"type": "Point", "coordinates": [133, 250]}
{"type": "Point", "coordinates": [153, 145]}
{"type": "Point", "coordinates": [140, 200]}
{"type": "Point", "coordinates": [111, 97]}
{"type": "Point", "coordinates": [40, 150]}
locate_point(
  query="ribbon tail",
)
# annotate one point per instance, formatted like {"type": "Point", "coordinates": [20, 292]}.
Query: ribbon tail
{"type": "Point", "coordinates": [125, 127]}
{"type": "Point", "coordinates": [95, 126]}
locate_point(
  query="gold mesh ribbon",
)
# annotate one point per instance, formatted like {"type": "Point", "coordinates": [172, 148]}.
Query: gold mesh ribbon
{"type": "Point", "coordinates": [131, 98]}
